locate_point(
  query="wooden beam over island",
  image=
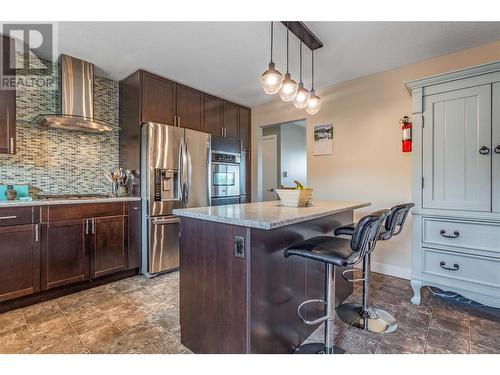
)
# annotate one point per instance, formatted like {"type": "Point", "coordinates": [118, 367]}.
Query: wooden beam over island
{"type": "Point", "coordinates": [238, 294]}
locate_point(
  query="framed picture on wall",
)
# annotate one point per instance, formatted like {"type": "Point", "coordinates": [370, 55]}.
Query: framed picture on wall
{"type": "Point", "coordinates": [323, 140]}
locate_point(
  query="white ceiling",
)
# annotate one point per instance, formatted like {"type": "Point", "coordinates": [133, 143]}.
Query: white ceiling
{"type": "Point", "coordinates": [227, 58]}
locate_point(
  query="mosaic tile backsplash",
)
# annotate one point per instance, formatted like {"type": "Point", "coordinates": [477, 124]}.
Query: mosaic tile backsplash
{"type": "Point", "coordinates": [55, 161]}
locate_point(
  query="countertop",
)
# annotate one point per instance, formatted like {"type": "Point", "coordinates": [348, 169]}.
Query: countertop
{"type": "Point", "coordinates": [51, 202]}
{"type": "Point", "coordinates": [267, 215]}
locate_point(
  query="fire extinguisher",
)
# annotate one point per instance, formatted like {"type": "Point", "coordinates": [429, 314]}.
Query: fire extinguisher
{"type": "Point", "coordinates": [406, 128]}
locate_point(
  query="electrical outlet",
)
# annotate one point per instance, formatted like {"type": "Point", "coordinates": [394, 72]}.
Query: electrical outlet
{"type": "Point", "coordinates": [239, 247]}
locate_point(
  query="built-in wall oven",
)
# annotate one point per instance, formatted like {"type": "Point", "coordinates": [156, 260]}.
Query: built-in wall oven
{"type": "Point", "coordinates": [225, 171]}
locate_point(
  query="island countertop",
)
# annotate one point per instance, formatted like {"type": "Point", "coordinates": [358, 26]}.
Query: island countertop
{"type": "Point", "coordinates": [267, 215]}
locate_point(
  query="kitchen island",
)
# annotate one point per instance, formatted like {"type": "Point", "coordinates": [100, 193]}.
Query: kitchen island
{"type": "Point", "coordinates": [238, 294]}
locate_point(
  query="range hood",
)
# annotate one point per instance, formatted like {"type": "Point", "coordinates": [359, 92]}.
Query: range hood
{"type": "Point", "coordinates": [75, 104]}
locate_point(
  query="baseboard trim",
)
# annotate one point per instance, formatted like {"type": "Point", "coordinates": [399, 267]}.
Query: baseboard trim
{"type": "Point", "coordinates": [390, 270]}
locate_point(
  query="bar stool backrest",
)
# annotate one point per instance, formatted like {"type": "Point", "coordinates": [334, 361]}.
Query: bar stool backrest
{"type": "Point", "coordinates": [396, 220]}
{"type": "Point", "coordinates": [366, 234]}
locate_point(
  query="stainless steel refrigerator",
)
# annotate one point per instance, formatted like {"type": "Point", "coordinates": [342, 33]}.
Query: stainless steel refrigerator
{"type": "Point", "coordinates": [175, 173]}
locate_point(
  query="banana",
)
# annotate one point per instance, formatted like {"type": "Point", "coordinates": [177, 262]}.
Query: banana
{"type": "Point", "coordinates": [298, 185]}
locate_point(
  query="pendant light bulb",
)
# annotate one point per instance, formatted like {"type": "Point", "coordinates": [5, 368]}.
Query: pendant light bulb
{"type": "Point", "coordinates": [314, 104]}
{"type": "Point", "coordinates": [288, 89]}
{"type": "Point", "coordinates": [314, 100]}
{"type": "Point", "coordinates": [271, 79]}
{"type": "Point", "coordinates": [302, 98]}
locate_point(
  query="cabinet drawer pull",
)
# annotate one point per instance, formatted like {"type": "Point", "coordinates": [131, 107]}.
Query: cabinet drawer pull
{"type": "Point", "coordinates": [497, 149]}
{"type": "Point", "coordinates": [456, 234]}
{"type": "Point", "coordinates": [7, 217]}
{"type": "Point", "coordinates": [456, 267]}
{"type": "Point", "coordinates": [484, 150]}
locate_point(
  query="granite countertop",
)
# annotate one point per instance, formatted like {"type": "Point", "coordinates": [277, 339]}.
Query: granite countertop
{"type": "Point", "coordinates": [51, 202]}
{"type": "Point", "coordinates": [267, 215]}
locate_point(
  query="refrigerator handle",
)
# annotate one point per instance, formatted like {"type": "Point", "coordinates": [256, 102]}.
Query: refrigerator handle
{"type": "Point", "coordinates": [181, 170]}
{"type": "Point", "coordinates": [188, 174]}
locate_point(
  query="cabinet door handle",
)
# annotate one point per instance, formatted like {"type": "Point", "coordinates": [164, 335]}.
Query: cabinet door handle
{"type": "Point", "coordinates": [179, 121]}
{"type": "Point", "coordinates": [484, 150]}
{"type": "Point", "coordinates": [497, 149]}
{"type": "Point", "coordinates": [7, 217]}
{"type": "Point", "coordinates": [455, 234]}
{"type": "Point", "coordinates": [455, 267]}
{"type": "Point", "coordinates": [93, 226]}
{"type": "Point", "coordinates": [37, 233]}
{"type": "Point", "coordinates": [86, 226]}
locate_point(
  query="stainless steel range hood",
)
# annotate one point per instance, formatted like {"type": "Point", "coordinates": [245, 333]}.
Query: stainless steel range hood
{"type": "Point", "coordinates": [75, 107]}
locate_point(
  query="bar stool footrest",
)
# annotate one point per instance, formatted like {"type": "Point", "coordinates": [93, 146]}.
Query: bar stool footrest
{"type": "Point", "coordinates": [311, 322]}
{"type": "Point", "coordinates": [351, 270]}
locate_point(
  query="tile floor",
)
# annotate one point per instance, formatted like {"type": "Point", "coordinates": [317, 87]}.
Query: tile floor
{"type": "Point", "coordinates": [140, 315]}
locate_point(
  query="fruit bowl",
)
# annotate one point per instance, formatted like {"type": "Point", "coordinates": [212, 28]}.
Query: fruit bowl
{"type": "Point", "coordinates": [291, 197]}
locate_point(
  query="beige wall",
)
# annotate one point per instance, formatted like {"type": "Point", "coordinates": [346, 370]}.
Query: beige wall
{"type": "Point", "coordinates": [367, 163]}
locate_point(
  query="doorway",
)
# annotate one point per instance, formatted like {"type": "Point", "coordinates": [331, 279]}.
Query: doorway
{"type": "Point", "coordinates": [284, 157]}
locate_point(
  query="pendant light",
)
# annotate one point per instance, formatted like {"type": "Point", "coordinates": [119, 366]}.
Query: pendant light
{"type": "Point", "coordinates": [271, 79]}
{"type": "Point", "coordinates": [302, 98]}
{"type": "Point", "coordinates": [289, 87]}
{"type": "Point", "coordinates": [314, 101]}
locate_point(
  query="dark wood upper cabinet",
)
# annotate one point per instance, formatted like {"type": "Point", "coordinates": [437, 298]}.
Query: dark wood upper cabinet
{"type": "Point", "coordinates": [108, 246]}
{"type": "Point", "coordinates": [244, 125]}
{"type": "Point", "coordinates": [65, 255]}
{"type": "Point", "coordinates": [212, 115]}
{"type": "Point", "coordinates": [20, 261]}
{"type": "Point", "coordinates": [231, 127]}
{"type": "Point", "coordinates": [158, 99]}
{"type": "Point", "coordinates": [189, 108]}
{"type": "Point", "coordinates": [7, 101]}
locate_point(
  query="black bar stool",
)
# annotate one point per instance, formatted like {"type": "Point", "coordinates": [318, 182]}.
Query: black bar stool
{"type": "Point", "coordinates": [364, 316]}
{"type": "Point", "coordinates": [334, 251]}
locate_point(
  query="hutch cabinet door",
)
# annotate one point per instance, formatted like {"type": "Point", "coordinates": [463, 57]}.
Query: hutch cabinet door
{"type": "Point", "coordinates": [457, 150]}
{"type": "Point", "coordinates": [496, 146]}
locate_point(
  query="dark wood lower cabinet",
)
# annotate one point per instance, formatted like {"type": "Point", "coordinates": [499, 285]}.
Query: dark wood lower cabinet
{"type": "Point", "coordinates": [108, 243]}
{"type": "Point", "coordinates": [47, 251]}
{"type": "Point", "coordinates": [20, 261]}
{"type": "Point", "coordinates": [65, 256]}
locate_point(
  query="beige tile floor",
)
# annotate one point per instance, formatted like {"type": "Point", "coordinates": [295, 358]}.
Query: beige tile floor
{"type": "Point", "coordinates": [140, 315]}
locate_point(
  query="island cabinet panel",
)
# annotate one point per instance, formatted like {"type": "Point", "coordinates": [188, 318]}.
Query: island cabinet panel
{"type": "Point", "coordinates": [19, 261]}
{"type": "Point", "coordinates": [158, 99]}
{"type": "Point", "coordinates": [214, 288]}
{"type": "Point", "coordinates": [280, 285]}
{"type": "Point", "coordinates": [108, 243]}
{"type": "Point", "coordinates": [65, 256]}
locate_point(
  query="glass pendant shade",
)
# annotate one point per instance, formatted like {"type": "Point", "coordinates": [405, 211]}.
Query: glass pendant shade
{"type": "Point", "coordinates": [314, 104]}
{"type": "Point", "coordinates": [288, 89]}
{"type": "Point", "coordinates": [271, 80]}
{"type": "Point", "coordinates": [302, 98]}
